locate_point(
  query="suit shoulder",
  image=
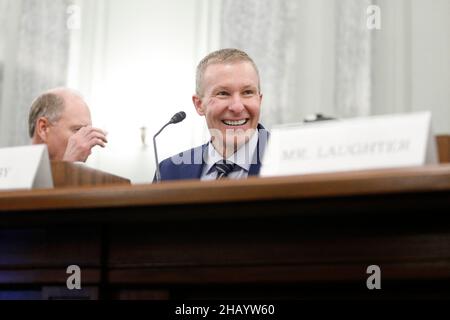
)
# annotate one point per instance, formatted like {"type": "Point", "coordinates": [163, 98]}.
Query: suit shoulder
{"type": "Point", "coordinates": [189, 156]}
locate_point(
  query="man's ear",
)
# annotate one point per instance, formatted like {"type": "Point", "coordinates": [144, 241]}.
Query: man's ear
{"type": "Point", "coordinates": [198, 104]}
{"type": "Point", "coordinates": [42, 127]}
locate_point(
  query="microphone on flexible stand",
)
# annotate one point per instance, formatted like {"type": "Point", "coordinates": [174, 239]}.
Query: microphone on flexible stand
{"type": "Point", "coordinates": [177, 117]}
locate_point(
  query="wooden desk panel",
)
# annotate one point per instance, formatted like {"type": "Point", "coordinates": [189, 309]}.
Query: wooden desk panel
{"type": "Point", "coordinates": [292, 237]}
{"type": "Point", "coordinates": [68, 174]}
{"type": "Point", "coordinates": [359, 183]}
{"type": "Point", "coordinates": [443, 143]}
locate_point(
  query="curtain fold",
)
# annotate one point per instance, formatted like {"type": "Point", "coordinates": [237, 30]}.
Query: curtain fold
{"type": "Point", "coordinates": [35, 46]}
{"type": "Point", "coordinates": [265, 29]}
{"type": "Point", "coordinates": [314, 56]}
{"type": "Point", "coordinates": [353, 59]}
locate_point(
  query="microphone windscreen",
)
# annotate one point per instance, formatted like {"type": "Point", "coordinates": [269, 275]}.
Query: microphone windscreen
{"type": "Point", "coordinates": [178, 117]}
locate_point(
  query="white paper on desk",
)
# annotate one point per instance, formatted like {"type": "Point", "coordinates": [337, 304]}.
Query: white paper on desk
{"type": "Point", "coordinates": [388, 141]}
{"type": "Point", "coordinates": [26, 167]}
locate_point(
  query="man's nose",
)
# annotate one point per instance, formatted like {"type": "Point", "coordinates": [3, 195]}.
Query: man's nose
{"type": "Point", "coordinates": [236, 104]}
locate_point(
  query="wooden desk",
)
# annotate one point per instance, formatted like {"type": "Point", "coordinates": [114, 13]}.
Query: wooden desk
{"type": "Point", "coordinates": [293, 237]}
{"type": "Point", "coordinates": [443, 145]}
{"type": "Point", "coordinates": [69, 174]}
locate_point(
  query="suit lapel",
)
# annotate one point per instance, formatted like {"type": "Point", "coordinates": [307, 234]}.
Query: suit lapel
{"type": "Point", "coordinates": [263, 136]}
{"type": "Point", "coordinates": [194, 170]}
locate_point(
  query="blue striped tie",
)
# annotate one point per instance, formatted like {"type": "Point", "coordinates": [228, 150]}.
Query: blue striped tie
{"type": "Point", "coordinates": [223, 169]}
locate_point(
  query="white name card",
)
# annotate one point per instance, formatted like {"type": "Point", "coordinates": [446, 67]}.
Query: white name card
{"type": "Point", "coordinates": [26, 167]}
{"type": "Point", "coordinates": [353, 144]}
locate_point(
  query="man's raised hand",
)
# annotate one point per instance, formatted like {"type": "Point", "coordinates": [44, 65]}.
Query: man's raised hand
{"type": "Point", "coordinates": [81, 143]}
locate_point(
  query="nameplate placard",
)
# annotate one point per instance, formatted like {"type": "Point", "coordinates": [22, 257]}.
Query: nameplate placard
{"type": "Point", "coordinates": [26, 167]}
{"type": "Point", "coordinates": [376, 142]}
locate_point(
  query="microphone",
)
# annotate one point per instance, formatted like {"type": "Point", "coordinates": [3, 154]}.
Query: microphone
{"type": "Point", "coordinates": [177, 117]}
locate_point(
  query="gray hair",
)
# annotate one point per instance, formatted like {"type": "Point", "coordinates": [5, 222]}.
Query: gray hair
{"type": "Point", "coordinates": [48, 105]}
{"type": "Point", "coordinates": [218, 57]}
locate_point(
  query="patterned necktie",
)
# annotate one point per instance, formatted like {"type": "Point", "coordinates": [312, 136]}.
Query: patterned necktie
{"type": "Point", "coordinates": [223, 169]}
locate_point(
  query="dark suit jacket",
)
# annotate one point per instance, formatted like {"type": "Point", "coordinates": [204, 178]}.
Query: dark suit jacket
{"type": "Point", "coordinates": [189, 164]}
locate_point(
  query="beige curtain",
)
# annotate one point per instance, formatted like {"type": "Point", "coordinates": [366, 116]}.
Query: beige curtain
{"type": "Point", "coordinates": [314, 56]}
{"type": "Point", "coordinates": [34, 44]}
{"type": "Point", "coordinates": [319, 56]}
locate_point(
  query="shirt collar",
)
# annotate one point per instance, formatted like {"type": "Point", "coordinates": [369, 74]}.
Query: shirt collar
{"type": "Point", "coordinates": [242, 157]}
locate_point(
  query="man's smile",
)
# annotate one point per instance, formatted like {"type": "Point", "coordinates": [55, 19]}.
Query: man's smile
{"type": "Point", "coordinates": [235, 123]}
